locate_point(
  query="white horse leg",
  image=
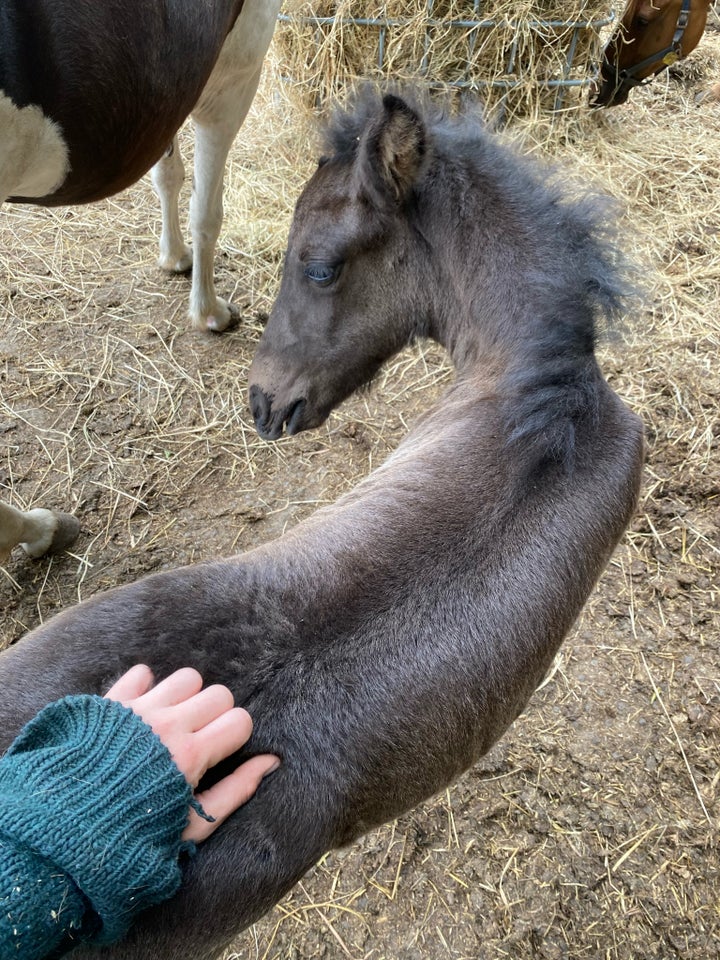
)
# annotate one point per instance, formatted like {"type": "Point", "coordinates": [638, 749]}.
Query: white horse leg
{"type": "Point", "coordinates": [167, 178]}
{"type": "Point", "coordinates": [207, 310]}
{"type": "Point", "coordinates": [38, 531]}
{"type": "Point", "coordinates": [217, 117]}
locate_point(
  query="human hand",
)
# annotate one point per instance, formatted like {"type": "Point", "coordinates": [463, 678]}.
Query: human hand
{"type": "Point", "coordinates": [200, 728]}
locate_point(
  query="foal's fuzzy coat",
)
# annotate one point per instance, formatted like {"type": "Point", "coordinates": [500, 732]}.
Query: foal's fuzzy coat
{"type": "Point", "coordinates": [384, 644]}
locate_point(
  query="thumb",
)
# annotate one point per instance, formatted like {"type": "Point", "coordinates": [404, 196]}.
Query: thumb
{"type": "Point", "coordinates": [227, 795]}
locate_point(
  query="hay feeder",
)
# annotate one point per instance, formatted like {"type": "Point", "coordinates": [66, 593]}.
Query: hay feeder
{"type": "Point", "coordinates": [519, 57]}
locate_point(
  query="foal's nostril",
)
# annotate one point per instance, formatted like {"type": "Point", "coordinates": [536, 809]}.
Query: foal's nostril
{"type": "Point", "coordinates": [266, 423]}
{"type": "Point", "coordinates": [259, 405]}
{"type": "Point", "coordinates": [293, 417]}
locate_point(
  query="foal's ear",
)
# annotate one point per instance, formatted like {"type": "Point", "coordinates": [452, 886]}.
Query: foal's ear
{"type": "Point", "coordinates": [392, 151]}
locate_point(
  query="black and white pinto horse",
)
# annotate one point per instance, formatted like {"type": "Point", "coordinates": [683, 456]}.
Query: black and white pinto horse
{"type": "Point", "coordinates": [91, 97]}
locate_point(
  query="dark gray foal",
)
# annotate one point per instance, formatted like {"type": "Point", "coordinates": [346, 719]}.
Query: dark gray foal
{"type": "Point", "coordinates": [385, 644]}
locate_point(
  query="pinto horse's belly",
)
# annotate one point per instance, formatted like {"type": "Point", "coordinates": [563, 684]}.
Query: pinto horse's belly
{"type": "Point", "coordinates": [105, 85]}
{"type": "Point", "coordinates": [34, 157]}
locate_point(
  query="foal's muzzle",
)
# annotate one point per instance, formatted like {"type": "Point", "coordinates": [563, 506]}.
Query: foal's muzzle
{"type": "Point", "coordinates": [269, 423]}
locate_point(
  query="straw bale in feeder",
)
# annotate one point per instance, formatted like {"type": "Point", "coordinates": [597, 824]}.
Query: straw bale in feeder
{"type": "Point", "coordinates": [530, 56]}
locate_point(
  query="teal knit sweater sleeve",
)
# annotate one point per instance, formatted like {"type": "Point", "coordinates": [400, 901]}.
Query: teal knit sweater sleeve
{"type": "Point", "coordinates": [92, 809]}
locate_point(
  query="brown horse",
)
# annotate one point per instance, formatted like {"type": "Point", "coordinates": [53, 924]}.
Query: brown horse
{"type": "Point", "coordinates": [385, 644]}
{"type": "Point", "coordinates": [651, 36]}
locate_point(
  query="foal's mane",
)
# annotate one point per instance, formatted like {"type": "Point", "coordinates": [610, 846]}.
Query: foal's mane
{"type": "Point", "coordinates": [578, 280]}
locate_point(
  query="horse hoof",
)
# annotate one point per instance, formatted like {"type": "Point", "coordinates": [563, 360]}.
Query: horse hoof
{"type": "Point", "coordinates": [224, 316]}
{"type": "Point", "coordinates": [180, 263]}
{"type": "Point", "coordinates": [49, 532]}
{"type": "Point", "coordinates": [66, 532]}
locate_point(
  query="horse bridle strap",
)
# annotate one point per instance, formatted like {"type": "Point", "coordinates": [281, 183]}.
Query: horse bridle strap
{"type": "Point", "coordinates": [625, 80]}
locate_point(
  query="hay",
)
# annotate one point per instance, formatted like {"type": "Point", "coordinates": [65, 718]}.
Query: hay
{"type": "Point", "coordinates": [522, 58]}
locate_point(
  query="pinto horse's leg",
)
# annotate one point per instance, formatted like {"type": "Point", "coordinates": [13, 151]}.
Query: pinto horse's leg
{"type": "Point", "coordinates": [39, 531]}
{"type": "Point", "coordinates": [167, 178]}
{"type": "Point", "coordinates": [212, 143]}
{"type": "Point", "coordinates": [217, 117]}
{"type": "Point", "coordinates": [214, 135]}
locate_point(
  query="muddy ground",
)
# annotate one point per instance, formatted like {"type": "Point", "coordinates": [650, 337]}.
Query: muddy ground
{"type": "Point", "coordinates": [589, 831]}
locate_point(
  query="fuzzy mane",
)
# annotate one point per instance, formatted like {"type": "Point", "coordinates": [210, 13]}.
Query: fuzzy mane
{"type": "Point", "coordinates": [578, 281]}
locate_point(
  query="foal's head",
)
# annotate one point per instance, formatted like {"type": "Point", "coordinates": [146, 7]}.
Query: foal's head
{"type": "Point", "coordinates": [351, 289]}
{"type": "Point", "coordinates": [652, 35]}
{"type": "Point", "coordinates": [421, 224]}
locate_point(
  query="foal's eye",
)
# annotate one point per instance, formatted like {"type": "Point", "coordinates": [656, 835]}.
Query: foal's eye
{"type": "Point", "coordinates": [322, 274]}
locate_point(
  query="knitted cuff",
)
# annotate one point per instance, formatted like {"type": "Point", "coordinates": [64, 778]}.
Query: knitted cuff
{"type": "Point", "coordinates": [99, 795]}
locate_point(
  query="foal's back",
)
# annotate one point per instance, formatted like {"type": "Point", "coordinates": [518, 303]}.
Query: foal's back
{"type": "Point", "coordinates": [381, 647]}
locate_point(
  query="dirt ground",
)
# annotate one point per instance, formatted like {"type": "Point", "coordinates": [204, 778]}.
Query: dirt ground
{"type": "Point", "coordinates": [590, 830]}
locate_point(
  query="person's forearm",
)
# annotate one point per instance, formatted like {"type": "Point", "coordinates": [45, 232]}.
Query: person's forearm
{"type": "Point", "coordinates": [90, 799]}
{"type": "Point", "coordinates": [40, 907]}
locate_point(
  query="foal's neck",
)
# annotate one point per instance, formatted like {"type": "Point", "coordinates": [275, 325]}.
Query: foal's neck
{"type": "Point", "coordinates": [481, 320]}
{"type": "Point", "coordinates": [440, 480]}
{"type": "Point", "coordinates": [503, 261]}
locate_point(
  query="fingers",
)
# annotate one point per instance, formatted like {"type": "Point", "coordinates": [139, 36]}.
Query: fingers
{"type": "Point", "coordinates": [200, 728]}
{"type": "Point", "coordinates": [132, 684]}
{"type": "Point", "coordinates": [223, 735]}
{"type": "Point", "coordinates": [227, 795]}
{"type": "Point", "coordinates": [176, 688]}
{"type": "Point", "coordinates": [204, 707]}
